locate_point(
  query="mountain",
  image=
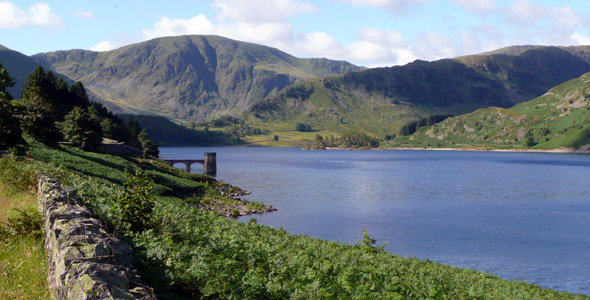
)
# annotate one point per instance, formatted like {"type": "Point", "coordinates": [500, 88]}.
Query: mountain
{"type": "Point", "coordinates": [381, 100]}
{"type": "Point", "coordinates": [19, 66]}
{"type": "Point", "coordinates": [188, 77]}
{"type": "Point", "coordinates": [558, 119]}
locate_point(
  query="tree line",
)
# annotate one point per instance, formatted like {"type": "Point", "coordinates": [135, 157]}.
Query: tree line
{"type": "Point", "coordinates": [347, 140]}
{"type": "Point", "coordinates": [50, 110]}
{"type": "Point", "coordinates": [413, 126]}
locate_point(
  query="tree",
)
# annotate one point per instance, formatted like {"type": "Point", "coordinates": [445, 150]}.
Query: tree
{"type": "Point", "coordinates": [529, 141]}
{"type": "Point", "coordinates": [37, 107]}
{"type": "Point", "coordinates": [275, 138]}
{"type": "Point", "coordinates": [303, 127]}
{"type": "Point", "coordinates": [147, 145]}
{"type": "Point", "coordinates": [10, 132]}
{"type": "Point", "coordinates": [82, 129]}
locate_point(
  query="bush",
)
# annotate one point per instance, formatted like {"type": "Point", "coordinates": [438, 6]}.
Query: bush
{"type": "Point", "coordinates": [135, 200]}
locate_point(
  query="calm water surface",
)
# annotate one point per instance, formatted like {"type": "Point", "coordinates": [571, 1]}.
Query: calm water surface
{"type": "Point", "coordinates": [522, 216]}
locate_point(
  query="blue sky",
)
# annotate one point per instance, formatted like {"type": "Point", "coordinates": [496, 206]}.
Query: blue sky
{"type": "Point", "coordinates": [365, 32]}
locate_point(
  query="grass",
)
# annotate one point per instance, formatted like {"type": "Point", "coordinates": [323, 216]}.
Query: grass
{"type": "Point", "coordinates": [189, 253]}
{"type": "Point", "coordinates": [23, 265]}
{"type": "Point", "coordinates": [557, 120]}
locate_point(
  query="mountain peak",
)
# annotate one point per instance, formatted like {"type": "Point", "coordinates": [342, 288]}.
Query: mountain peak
{"type": "Point", "coordinates": [193, 77]}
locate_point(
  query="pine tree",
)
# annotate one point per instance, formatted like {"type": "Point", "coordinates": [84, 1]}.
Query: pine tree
{"type": "Point", "coordinates": [37, 114]}
{"type": "Point", "coordinates": [10, 132]}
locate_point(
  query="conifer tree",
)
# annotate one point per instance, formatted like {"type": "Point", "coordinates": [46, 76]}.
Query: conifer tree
{"type": "Point", "coordinates": [10, 132]}
{"type": "Point", "coordinates": [38, 113]}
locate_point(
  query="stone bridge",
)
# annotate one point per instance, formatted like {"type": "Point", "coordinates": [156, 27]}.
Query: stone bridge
{"type": "Point", "coordinates": [209, 162]}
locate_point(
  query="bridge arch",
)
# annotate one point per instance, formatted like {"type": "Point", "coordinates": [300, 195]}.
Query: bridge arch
{"type": "Point", "coordinates": [209, 162]}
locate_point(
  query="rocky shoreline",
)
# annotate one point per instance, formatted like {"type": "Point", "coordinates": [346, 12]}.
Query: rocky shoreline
{"type": "Point", "coordinates": [235, 206]}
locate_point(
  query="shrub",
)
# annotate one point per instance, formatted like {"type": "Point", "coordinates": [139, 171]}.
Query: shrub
{"type": "Point", "coordinates": [135, 201]}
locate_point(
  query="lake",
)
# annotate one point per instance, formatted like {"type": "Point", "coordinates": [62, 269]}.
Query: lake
{"type": "Point", "coordinates": [523, 216]}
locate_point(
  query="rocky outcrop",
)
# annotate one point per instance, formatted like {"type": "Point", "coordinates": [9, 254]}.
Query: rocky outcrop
{"type": "Point", "coordinates": [85, 260]}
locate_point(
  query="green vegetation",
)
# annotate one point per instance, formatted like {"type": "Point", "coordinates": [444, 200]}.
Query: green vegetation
{"type": "Point", "coordinates": [558, 119]}
{"type": "Point", "coordinates": [23, 266]}
{"type": "Point", "coordinates": [82, 129]}
{"type": "Point", "coordinates": [411, 127]}
{"type": "Point", "coordinates": [382, 100]}
{"type": "Point", "coordinates": [303, 127]}
{"type": "Point", "coordinates": [188, 78]}
{"type": "Point", "coordinates": [10, 131]}
{"type": "Point", "coordinates": [19, 66]}
{"type": "Point", "coordinates": [186, 252]}
{"type": "Point", "coordinates": [167, 133]}
{"type": "Point", "coordinates": [347, 140]}
{"type": "Point", "coordinates": [51, 110]}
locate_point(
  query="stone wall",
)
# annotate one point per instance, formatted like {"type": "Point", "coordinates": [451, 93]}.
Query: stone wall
{"type": "Point", "coordinates": [85, 260]}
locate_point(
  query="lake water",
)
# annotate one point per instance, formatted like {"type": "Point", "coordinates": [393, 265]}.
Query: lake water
{"type": "Point", "coordinates": [523, 216]}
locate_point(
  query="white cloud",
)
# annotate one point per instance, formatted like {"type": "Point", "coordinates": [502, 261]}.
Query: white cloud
{"type": "Point", "coordinates": [315, 44]}
{"type": "Point", "coordinates": [103, 46]}
{"type": "Point", "coordinates": [255, 11]}
{"type": "Point", "coordinates": [580, 39]}
{"type": "Point", "coordinates": [389, 38]}
{"type": "Point", "coordinates": [434, 45]}
{"type": "Point", "coordinates": [392, 5]}
{"type": "Point", "coordinates": [83, 14]}
{"type": "Point", "coordinates": [479, 6]}
{"type": "Point", "coordinates": [267, 33]}
{"type": "Point", "coordinates": [168, 27]}
{"type": "Point", "coordinates": [374, 48]}
{"type": "Point", "coordinates": [525, 13]}
{"type": "Point", "coordinates": [38, 14]}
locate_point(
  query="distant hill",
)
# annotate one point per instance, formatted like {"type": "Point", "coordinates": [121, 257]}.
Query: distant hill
{"type": "Point", "coordinates": [19, 66]}
{"type": "Point", "coordinates": [188, 77]}
{"type": "Point", "coordinates": [167, 133]}
{"type": "Point", "coordinates": [558, 119]}
{"type": "Point", "coordinates": [381, 100]}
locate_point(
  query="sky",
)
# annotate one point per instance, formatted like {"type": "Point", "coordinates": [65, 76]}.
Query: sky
{"type": "Point", "coordinates": [371, 33]}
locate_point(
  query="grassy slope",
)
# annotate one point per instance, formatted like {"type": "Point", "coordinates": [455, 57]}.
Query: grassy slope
{"type": "Point", "coordinates": [188, 77]}
{"type": "Point", "coordinates": [379, 101]}
{"type": "Point", "coordinates": [193, 254]}
{"type": "Point", "coordinates": [331, 109]}
{"type": "Point", "coordinates": [23, 266]}
{"type": "Point", "coordinates": [558, 119]}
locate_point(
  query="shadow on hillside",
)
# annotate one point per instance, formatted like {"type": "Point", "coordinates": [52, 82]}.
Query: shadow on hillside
{"type": "Point", "coordinates": [582, 139]}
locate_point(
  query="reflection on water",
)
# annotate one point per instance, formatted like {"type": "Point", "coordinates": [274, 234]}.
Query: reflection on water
{"type": "Point", "coordinates": [522, 216]}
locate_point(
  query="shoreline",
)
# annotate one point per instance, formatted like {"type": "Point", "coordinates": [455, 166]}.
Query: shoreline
{"type": "Point", "coordinates": [582, 150]}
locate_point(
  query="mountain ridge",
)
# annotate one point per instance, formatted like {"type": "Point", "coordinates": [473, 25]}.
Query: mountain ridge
{"type": "Point", "coordinates": [400, 94]}
{"type": "Point", "coordinates": [188, 77]}
{"type": "Point", "coordinates": [558, 119]}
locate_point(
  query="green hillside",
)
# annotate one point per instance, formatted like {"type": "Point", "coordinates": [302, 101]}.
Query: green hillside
{"type": "Point", "coordinates": [558, 119]}
{"type": "Point", "coordinates": [19, 66]}
{"type": "Point", "coordinates": [188, 77]}
{"type": "Point", "coordinates": [379, 101]}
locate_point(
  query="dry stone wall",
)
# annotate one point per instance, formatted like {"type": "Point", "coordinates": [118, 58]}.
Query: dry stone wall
{"type": "Point", "coordinates": [85, 261]}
